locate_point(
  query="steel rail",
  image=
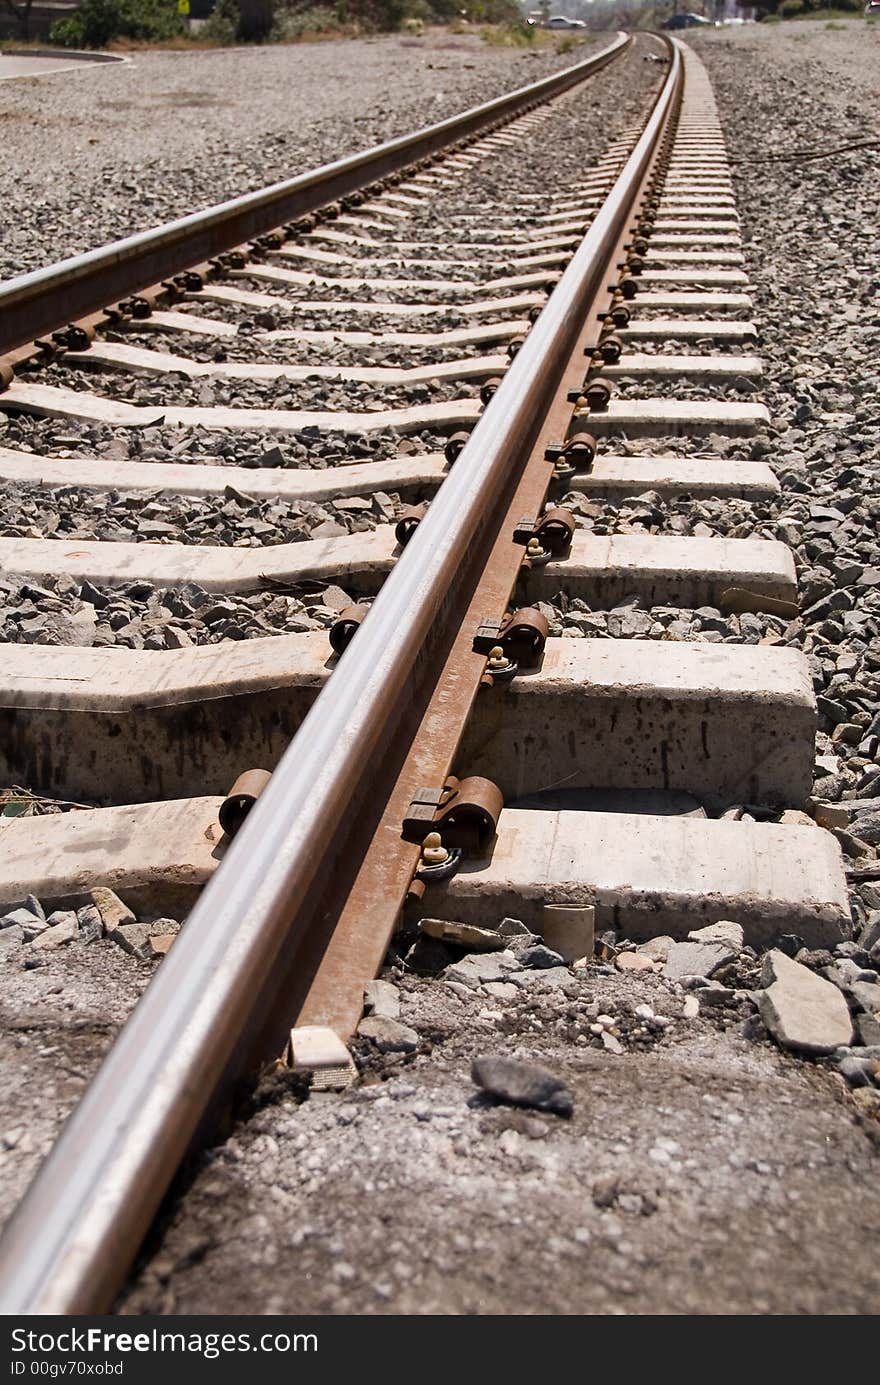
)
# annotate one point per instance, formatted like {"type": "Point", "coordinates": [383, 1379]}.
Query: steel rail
{"type": "Point", "coordinates": [79, 1226]}
{"type": "Point", "coordinates": [36, 304]}
{"type": "Point", "coordinates": [327, 986]}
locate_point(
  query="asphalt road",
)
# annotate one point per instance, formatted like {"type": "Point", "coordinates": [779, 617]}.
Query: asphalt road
{"type": "Point", "coordinates": [35, 65]}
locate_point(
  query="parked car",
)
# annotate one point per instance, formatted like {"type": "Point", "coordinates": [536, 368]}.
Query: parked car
{"type": "Point", "coordinates": [562, 21]}
{"type": "Point", "coordinates": [872, 9]}
{"type": "Point", "coordinates": [686, 19]}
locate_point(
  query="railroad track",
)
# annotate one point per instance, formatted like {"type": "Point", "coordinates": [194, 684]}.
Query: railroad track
{"type": "Point", "coordinates": [495, 702]}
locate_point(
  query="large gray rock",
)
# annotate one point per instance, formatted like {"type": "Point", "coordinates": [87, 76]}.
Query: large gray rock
{"type": "Point", "coordinates": [22, 918]}
{"type": "Point", "coordinates": [657, 949]}
{"type": "Point", "coordinates": [725, 931]}
{"type": "Point", "coordinates": [388, 1035]}
{"type": "Point", "coordinates": [800, 1009]}
{"type": "Point", "coordinates": [477, 968]}
{"type": "Point", "coordinates": [867, 828]}
{"type": "Point", "coordinates": [866, 994]}
{"type": "Point", "coordinates": [131, 937]}
{"type": "Point", "coordinates": [62, 928]}
{"type": "Point", "coordinates": [859, 1072]}
{"type": "Point", "coordinates": [522, 1084]}
{"type": "Point", "coordinates": [869, 935]}
{"type": "Point", "coordinates": [114, 914]}
{"type": "Point", "coordinates": [697, 959]}
{"type": "Point", "coordinates": [382, 1000]}
{"type": "Point", "coordinates": [11, 939]}
{"type": "Point", "coordinates": [514, 928]}
{"type": "Point", "coordinates": [91, 925]}
{"type": "Point", "coordinates": [540, 956]}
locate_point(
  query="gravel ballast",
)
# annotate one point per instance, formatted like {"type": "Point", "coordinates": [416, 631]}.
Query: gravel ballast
{"type": "Point", "coordinates": [130, 138]}
{"type": "Point", "coordinates": [568, 142]}
{"type": "Point", "coordinates": [571, 137]}
{"type": "Point", "coordinates": [806, 225]}
{"type": "Point", "coordinates": [138, 615]}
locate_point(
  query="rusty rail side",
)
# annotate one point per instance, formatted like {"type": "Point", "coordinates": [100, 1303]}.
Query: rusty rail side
{"type": "Point", "coordinates": [45, 301]}
{"type": "Point", "coordinates": [326, 984]}
{"type": "Point", "coordinates": [79, 1226]}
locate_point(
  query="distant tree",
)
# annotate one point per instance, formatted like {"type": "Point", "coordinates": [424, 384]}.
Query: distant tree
{"type": "Point", "coordinates": [97, 22]}
{"type": "Point", "coordinates": [21, 13]}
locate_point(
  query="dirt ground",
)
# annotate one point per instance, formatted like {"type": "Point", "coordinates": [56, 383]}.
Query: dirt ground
{"type": "Point", "coordinates": [703, 1172]}
{"type": "Point", "coordinates": [56, 1023]}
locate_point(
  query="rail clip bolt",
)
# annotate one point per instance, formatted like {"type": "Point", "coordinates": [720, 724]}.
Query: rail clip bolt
{"type": "Point", "coordinates": [535, 554]}
{"type": "Point", "coordinates": [434, 853]}
{"type": "Point", "coordinates": [598, 394]}
{"type": "Point", "coordinates": [454, 446]}
{"type": "Point", "coordinates": [610, 349]}
{"type": "Point", "coordinates": [499, 666]}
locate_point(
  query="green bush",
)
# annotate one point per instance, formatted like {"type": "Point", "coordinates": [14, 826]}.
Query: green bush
{"type": "Point", "coordinates": [66, 33]}
{"type": "Point", "coordinates": [769, 10]}
{"type": "Point", "coordinates": [222, 23]}
{"type": "Point", "coordinates": [372, 15]}
{"type": "Point", "coordinates": [494, 12]}
{"type": "Point", "coordinates": [100, 21]}
{"type": "Point", "coordinates": [519, 35]}
{"type": "Point", "coordinates": [419, 9]}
